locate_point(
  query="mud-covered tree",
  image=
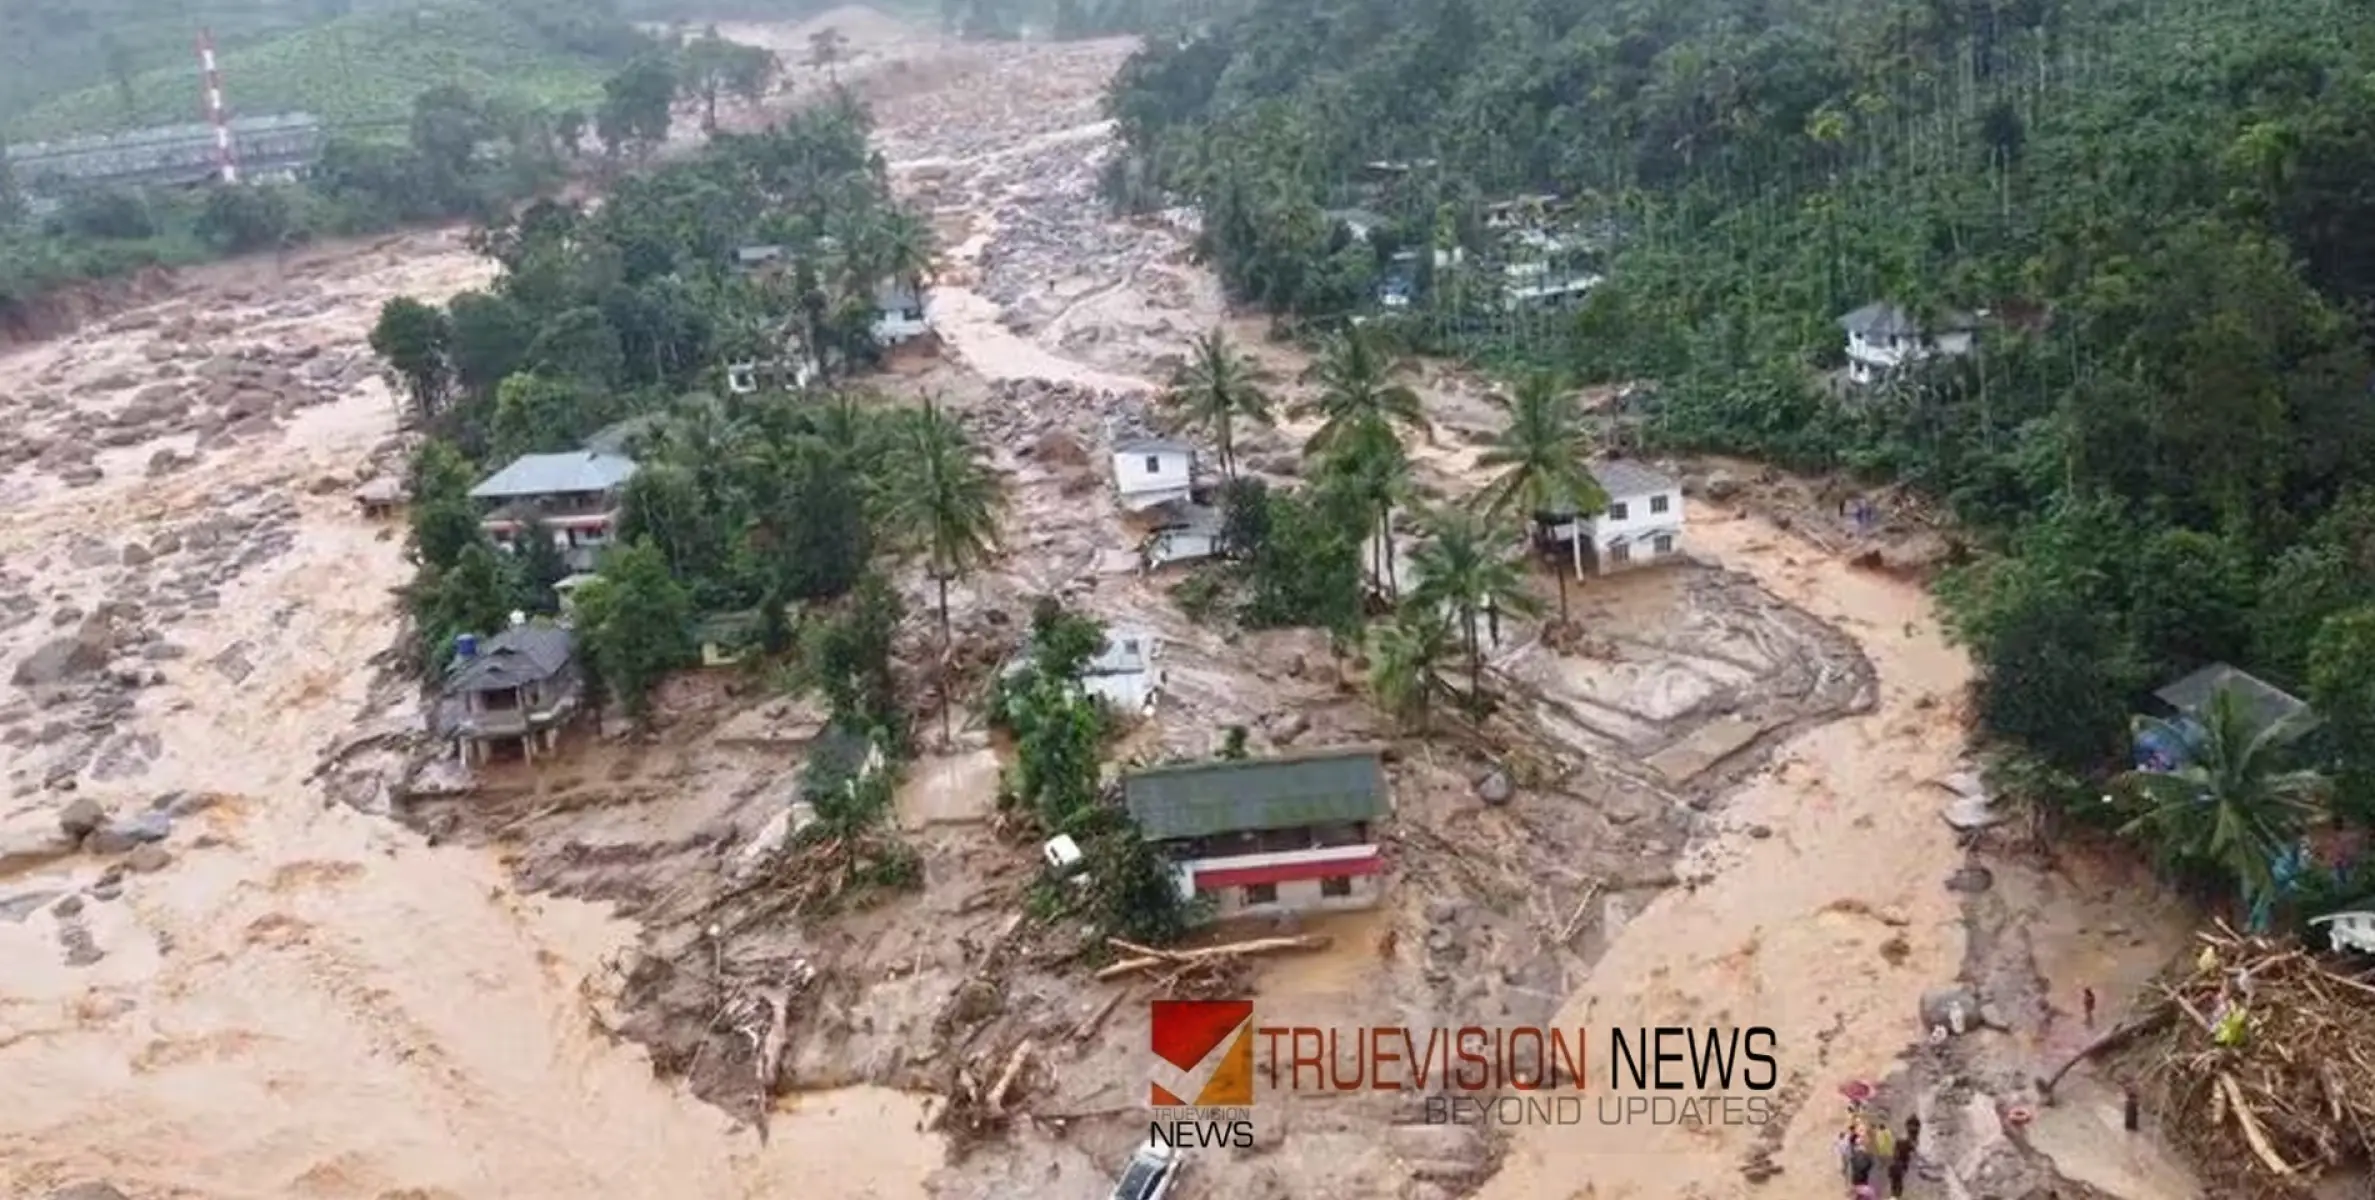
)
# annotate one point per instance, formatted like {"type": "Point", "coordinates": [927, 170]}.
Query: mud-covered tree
{"type": "Point", "coordinates": [1407, 659]}
{"type": "Point", "coordinates": [827, 48]}
{"type": "Point", "coordinates": [848, 658]}
{"type": "Point", "coordinates": [1215, 388]}
{"type": "Point", "coordinates": [946, 504]}
{"type": "Point", "coordinates": [1365, 466]}
{"type": "Point", "coordinates": [1540, 460]}
{"type": "Point", "coordinates": [636, 623]}
{"type": "Point", "coordinates": [238, 218]}
{"type": "Point", "coordinates": [702, 64]}
{"type": "Point", "coordinates": [541, 566]}
{"type": "Point", "coordinates": [1307, 570]}
{"type": "Point", "coordinates": [1463, 571]}
{"type": "Point", "coordinates": [412, 338]}
{"type": "Point", "coordinates": [476, 595]}
{"type": "Point", "coordinates": [1132, 890]}
{"type": "Point", "coordinates": [444, 520]}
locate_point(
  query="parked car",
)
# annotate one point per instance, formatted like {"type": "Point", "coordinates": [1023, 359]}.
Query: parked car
{"type": "Point", "coordinates": [1151, 1172]}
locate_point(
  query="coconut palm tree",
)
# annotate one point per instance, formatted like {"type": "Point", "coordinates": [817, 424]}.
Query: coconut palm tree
{"type": "Point", "coordinates": [1407, 657]}
{"type": "Point", "coordinates": [949, 501]}
{"type": "Point", "coordinates": [1540, 457]}
{"type": "Point", "coordinates": [1368, 463]}
{"type": "Point", "coordinates": [905, 245]}
{"type": "Point", "coordinates": [2234, 806]}
{"type": "Point", "coordinates": [1463, 573]}
{"type": "Point", "coordinates": [1213, 388]}
{"type": "Point", "coordinates": [1358, 382]}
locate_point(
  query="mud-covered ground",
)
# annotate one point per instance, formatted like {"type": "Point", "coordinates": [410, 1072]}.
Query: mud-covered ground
{"type": "Point", "coordinates": [223, 986]}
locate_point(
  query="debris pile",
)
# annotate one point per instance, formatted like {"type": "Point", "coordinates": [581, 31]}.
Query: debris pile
{"type": "Point", "coordinates": [2264, 1070]}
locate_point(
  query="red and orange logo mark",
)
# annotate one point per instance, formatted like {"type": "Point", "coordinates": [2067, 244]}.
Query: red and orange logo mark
{"type": "Point", "coordinates": [1190, 1036]}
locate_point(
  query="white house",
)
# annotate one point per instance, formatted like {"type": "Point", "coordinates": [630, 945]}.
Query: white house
{"type": "Point", "coordinates": [1152, 472]}
{"type": "Point", "coordinates": [1883, 337]}
{"type": "Point", "coordinates": [1642, 523]}
{"type": "Point", "coordinates": [1189, 532]}
{"type": "Point", "coordinates": [899, 313]}
{"type": "Point", "coordinates": [744, 378]}
{"type": "Point", "coordinates": [1123, 676]}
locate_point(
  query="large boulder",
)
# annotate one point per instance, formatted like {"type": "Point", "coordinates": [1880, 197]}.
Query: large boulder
{"type": "Point", "coordinates": [88, 1191]}
{"type": "Point", "coordinates": [86, 653]}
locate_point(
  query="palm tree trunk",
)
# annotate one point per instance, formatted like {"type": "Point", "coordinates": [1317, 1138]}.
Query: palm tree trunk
{"type": "Point", "coordinates": [1385, 521]}
{"type": "Point", "coordinates": [1228, 450]}
{"type": "Point", "coordinates": [1560, 572]}
{"type": "Point", "coordinates": [1475, 662]}
{"type": "Point", "coordinates": [947, 648]}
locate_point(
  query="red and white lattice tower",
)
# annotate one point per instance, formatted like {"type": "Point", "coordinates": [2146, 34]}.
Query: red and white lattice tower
{"type": "Point", "coordinates": [217, 114]}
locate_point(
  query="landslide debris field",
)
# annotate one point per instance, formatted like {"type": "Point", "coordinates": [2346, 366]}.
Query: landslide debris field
{"type": "Point", "coordinates": [229, 972]}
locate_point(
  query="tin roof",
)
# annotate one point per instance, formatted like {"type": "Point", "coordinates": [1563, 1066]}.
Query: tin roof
{"type": "Point", "coordinates": [1192, 800]}
{"type": "Point", "coordinates": [2265, 703]}
{"type": "Point", "coordinates": [1622, 478]}
{"type": "Point", "coordinates": [519, 655]}
{"type": "Point", "coordinates": [556, 474]}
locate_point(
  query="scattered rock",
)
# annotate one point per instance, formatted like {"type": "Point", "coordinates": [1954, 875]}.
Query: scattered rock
{"type": "Point", "coordinates": [1495, 787]}
{"type": "Point", "coordinates": [64, 658]}
{"type": "Point", "coordinates": [1720, 485]}
{"type": "Point", "coordinates": [976, 999]}
{"type": "Point", "coordinates": [80, 817]}
{"type": "Point", "coordinates": [1971, 880]}
{"type": "Point", "coordinates": [149, 859]}
{"type": "Point", "coordinates": [1939, 1004]}
{"type": "Point", "coordinates": [136, 555]}
{"type": "Point", "coordinates": [233, 663]}
{"type": "Point", "coordinates": [1760, 832]}
{"type": "Point", "coordinates": [69, 907]}
{"type": "Point", "coordinates": [1285, 727]}
{"type": "Point", "coordinates": [14, 909]}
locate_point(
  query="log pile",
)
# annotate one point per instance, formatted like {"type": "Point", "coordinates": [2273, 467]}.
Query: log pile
{"type": "Point", "coordinates": [2291, 1099]}
{"type": "Point", "coordinates": [982, 1097]}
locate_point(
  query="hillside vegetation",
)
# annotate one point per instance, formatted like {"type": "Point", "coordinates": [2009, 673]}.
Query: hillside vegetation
{"type": "Point", "coordinates": [363, 67]}
{"type": "Point", "coordinates": [2166, 442]}
{"type": "Point", "coordinates": [51, 47]}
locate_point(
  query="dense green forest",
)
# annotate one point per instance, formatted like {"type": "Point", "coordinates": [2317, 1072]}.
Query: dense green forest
{"type": "Point", "coordinates": [2164, 446]}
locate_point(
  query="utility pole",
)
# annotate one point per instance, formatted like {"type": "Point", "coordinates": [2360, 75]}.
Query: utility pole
{"type": "Point", "coordinates": [226, 161]}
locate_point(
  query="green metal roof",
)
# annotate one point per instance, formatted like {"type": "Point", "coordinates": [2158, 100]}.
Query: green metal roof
{"type": "Point", "coordinates": [1193, 800]}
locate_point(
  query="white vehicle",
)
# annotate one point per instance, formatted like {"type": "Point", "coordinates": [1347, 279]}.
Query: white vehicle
{"type": "Point", "coordinates": [1151, 1172]}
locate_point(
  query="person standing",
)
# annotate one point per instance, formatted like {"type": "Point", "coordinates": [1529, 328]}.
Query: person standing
{"type": "Point", "coordinates": [1900, 1164]}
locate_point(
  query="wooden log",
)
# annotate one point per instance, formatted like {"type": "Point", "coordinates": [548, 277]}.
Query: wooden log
{"type": "Point", "coordinates": [1309, 941]}
{"type": "Point", "coordinates": [996, 1101]}
{"type": "Point", "coordinates": [1097, 1018]}
{"type": "Point", "coordinates": [2161, 1015]}
{"type": "Point", "coordinates": [2250, 1124]}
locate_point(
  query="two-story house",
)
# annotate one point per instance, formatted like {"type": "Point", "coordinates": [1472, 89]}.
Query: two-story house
{"type": "Point", "coordinates": [1268, 835]}
{"type": "Point", "coordinates": [576, 496]}
{"type": "Point", "coordinates": [1884, 337]}
{"type": "Point", "coordinates": [520, 685]}
{"type": "Point", "coordinates": [1642, 523]}
{"type": "Point", "coordinates": [1149, 473]}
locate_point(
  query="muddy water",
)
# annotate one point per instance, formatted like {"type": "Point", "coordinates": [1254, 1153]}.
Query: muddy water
{"type": "Point", "coordinates": [1787, 932]}
{"type": "Point", "coordinates": [308, 1002]}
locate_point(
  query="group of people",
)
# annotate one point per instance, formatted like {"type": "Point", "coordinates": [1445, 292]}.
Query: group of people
{"type": "Point", "coordinates": [1864, 1146]}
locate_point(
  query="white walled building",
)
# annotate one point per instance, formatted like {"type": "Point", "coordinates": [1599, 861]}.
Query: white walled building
{"type": "Point", "coordinates": [1151, 472]}
{"type": "Point", "coordinates": [1643, 522]}
{"type": "Point", "coordinates": [1883, 337]}
{"type": "Point", "coordinates": [899, 313]}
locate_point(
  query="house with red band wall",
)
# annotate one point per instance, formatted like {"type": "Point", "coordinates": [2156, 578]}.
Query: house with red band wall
{"type": "Point", "coordinates": [1268, 835]}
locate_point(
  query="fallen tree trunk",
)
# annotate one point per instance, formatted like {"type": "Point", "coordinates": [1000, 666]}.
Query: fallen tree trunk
{"type": "Point", "coordinates": [2160, 1015]}
{"type": "Point", "coordinates": [1147, 957]}
{"type": "Point", "coordinates": [996, 1101]}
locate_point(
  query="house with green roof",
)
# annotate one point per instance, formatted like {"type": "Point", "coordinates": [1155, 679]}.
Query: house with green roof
{"type": "Point", "coordinates": [1268, 835]}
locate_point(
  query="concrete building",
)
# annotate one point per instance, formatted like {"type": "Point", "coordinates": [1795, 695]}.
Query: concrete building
{"type": "Point", "coordinates": [1268, 835]}
{"type": "Point", "coordinates": [576, 495]}
{"type": "Point", "coordinates": [1881, 338]}
{"type": "Point", "coordinates": [1642, 524]}
{"type": "Point", "coordinates": [517, 687]}
{"type": "Point", "coordinates": [1149, 473]}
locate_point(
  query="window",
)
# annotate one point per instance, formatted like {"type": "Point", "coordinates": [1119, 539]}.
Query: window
{"type": "Point", "coordinates": [1658, 503]}
{"type": "Point", "coordinates": [1616, 511]}
{"type": "Point", "coordinates": [1620, 553]}
{"type": "Point", "coordinates": [1154, 464]}
{"type": "Point", "coordinates": [1335, 886]}
{"type": "Point", "coordinates": [1261, 893]}
{"type": "Point", "coordinates": [1663, 543]}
